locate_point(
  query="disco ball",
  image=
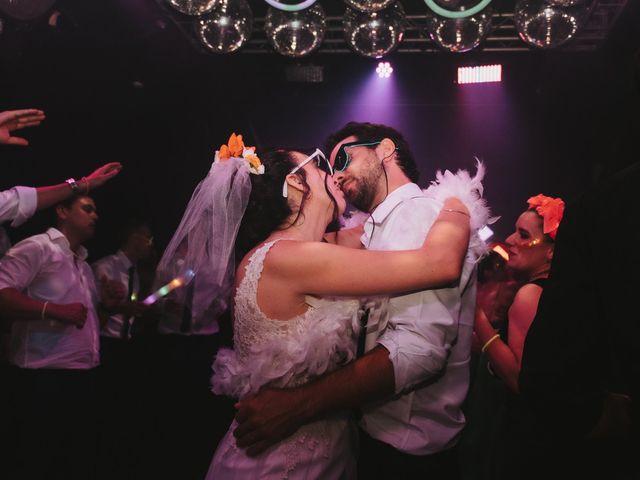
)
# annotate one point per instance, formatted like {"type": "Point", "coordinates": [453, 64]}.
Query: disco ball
{"type": "Point", "coordinates": [459, 34]}
{"type": "Point", "coordinates": [25, 10]}
{"type": "Point", "coordinates": [295, 34]}
{"type": "Point", "coordinates": [564, 3]}
{"type": "Point", "coordinates": [369, 6]}
{"type": "Point", "coordinates": [543, 26]}
{"type": "Point", "coordinates": [193, 7]}
{"type": "Point", "coordinates": [227, 27]}
{"type": "Point", "coordinates": [374, 34]}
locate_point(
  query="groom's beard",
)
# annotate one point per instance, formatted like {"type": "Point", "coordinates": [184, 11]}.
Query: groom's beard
{"type": "Point", "coordinates": [361, 192]}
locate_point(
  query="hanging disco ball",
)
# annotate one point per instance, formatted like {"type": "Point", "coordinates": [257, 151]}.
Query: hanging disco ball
{"type": "Point", "coordinates": [25, 10]}
{"type": "Point", "coordinates": [193, 7]}
{"type": "Point", "coordinates": [295, 34]}
{"type": "Point", "coordinates": [369, 6]}
{"type": "Point", "coordinates": [543, 26]}
{"type": "Point", "coordinates": [459, 34]}
{"type": "Point", "coordinates": [227, 27]}
{"type": "Point", "coordinates": [374, 34]}
{"type": "Point", "coordinates": [564, 3]}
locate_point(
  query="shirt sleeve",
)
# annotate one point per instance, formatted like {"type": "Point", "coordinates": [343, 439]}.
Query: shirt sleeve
{"type": "Point", "coordinates": [21, 264]}
{"type": "Point", "coordinates": [422, 326]}
{"type": "Point", "coordinates": [102, 268]}
{"type": "Point", "coordinates": [18, 204]}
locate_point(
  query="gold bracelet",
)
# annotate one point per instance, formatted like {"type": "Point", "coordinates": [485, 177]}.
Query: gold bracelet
{"type": "Point", "coordinates": [489, 342]}
{"type": "Point", "coordinates": [456, 211]}
{"type": "Point", "coordinates": [86, 181]}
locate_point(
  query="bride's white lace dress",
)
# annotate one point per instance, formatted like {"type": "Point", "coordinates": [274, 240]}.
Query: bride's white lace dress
{"type": "Point", "coordinates": [285, 354]}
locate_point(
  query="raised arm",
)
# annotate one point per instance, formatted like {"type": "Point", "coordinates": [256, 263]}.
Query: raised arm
{"type": "Point", "coordinates": [325, 269]}
{"type": "Point", "coordinates": [272, 415]}
{"type": "Point", "coordinates": [506, 358]}
{"type": "Point", "coordinates": [49, 196]}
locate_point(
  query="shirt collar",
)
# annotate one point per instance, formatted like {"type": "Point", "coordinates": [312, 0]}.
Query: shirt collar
{"type": "Point", "coordinates": [124, 259]}
{"type": "Point", "coordinates": [382, 211]}
{"type": "Point", "coordinates": [57, 237]}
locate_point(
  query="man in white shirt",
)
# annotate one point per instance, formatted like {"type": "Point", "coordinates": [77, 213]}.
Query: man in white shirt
{"type": "Point", "coordinates": [48, 292]}
{"type": "Point", "coordinates": [412, 381]}
{"type": "Point", "coordinates": [120, 371]}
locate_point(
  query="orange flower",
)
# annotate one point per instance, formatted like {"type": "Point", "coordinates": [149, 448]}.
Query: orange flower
{"type": "Point", "coordinates": [224, 153]}
{"type": "Point", "coordinates": [253, 160]}
{"type": "Point", "coordinates": [551, 211]}
{"type": "Point", "coordinates": [236, 146]}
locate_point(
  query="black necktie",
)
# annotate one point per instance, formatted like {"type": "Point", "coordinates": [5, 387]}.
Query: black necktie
{"type": "Point", "coordinates": [126, 321]}
{"type": "Point", "coordinates": [185, 324]}
{"type": "Point", "coordinates": [362, 337]}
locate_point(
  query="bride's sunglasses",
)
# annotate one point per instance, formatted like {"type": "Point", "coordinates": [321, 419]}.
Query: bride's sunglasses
{"type": "Point", "coordinates": [322, 162]}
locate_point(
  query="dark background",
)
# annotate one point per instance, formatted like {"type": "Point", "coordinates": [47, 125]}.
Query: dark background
{"type": "Point", "coordinates": [120, 83]}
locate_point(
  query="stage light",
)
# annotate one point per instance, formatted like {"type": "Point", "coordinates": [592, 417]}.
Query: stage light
{"type": "Point", "coordinates": [384, 70]}
{"type": "Point", "coordinates": [480, 74]}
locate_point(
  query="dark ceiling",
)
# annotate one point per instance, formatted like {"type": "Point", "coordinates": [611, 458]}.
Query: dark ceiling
{"type": "Point", "coordinates": [120, 80]}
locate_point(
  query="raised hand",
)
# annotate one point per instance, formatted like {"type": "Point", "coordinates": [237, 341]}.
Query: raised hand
{"type": "Point", "coordinates": [12, 120]}
{"type": "Point", "coordinates": [102, 175]}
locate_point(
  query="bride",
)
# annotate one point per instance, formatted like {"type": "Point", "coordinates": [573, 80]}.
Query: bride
{"type": "Point", "coordinates": [294, 296]}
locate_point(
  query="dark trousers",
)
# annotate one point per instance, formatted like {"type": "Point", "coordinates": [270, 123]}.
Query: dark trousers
{"type": "Point", "coordinates": [189, 419]}
{"type": "Point", "coordinates": [380, 461]}
{"type": "Point", "coordinates": [55, 428]}
{"type": "Point", "coordinates": [119, 416]}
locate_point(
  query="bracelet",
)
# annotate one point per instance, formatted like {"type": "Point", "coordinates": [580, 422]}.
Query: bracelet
{"type": "Point", "coordinates": [73, 184]}
{"type": "Point", "coordinates": [489, 342]}
{"type": "Point", "coordinates": [44, 308]}
{"type": "Point", "coordinates": [86, 182]}
{"type": "Point", "coordinates": [456, 211]}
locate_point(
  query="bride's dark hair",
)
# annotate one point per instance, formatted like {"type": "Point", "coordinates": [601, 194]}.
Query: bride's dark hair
{"type": "Point", "coordinates": [267, 210]}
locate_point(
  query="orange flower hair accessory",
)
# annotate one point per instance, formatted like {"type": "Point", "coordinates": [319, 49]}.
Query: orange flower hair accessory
{"type": "Point", "coordinates": [235, 148]}
{"type": "Point", "coordinates": [551, 211]}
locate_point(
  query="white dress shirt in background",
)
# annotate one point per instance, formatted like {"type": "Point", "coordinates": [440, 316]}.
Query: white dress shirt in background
{"type": "Point", "coordinates": [44, 268]}
{"type": "Point", "coordinates": [116, 267]}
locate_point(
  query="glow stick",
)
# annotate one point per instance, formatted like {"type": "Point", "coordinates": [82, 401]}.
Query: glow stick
{"type": "Point", "coordinates": [169, 287]}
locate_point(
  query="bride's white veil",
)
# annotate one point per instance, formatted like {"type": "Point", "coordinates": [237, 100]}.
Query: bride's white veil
{"type": "Point", "coordinates": [204, 241]}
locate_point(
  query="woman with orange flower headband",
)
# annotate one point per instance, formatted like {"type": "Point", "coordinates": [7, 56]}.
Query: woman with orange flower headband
{"type": "Point", "coordinates": [498, 422]}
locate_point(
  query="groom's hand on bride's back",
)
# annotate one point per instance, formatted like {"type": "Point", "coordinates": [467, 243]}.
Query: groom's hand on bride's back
{"type": "Point", "coordinates": [267, 417]}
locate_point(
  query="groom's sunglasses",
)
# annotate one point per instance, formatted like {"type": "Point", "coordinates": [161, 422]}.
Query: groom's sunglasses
{"type": "Point", "coordinates": [343, 159]}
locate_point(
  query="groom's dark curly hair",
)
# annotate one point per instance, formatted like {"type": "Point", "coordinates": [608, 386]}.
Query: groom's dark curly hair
{"type": "Point", "coordinates": [373, 132]}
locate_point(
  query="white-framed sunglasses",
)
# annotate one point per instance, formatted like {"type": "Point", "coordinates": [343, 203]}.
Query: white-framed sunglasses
{"type": "Point", "coordinates": [322, 162]}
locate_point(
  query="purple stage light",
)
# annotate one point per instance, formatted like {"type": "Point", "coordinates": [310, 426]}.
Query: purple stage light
{"type": "Point", "coordinates": [384, 70]}
{"type": "Point", "coordinates": [481, 74]}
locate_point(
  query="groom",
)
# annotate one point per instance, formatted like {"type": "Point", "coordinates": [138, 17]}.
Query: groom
{"type": "Point", "coordinates": [414, 377]}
